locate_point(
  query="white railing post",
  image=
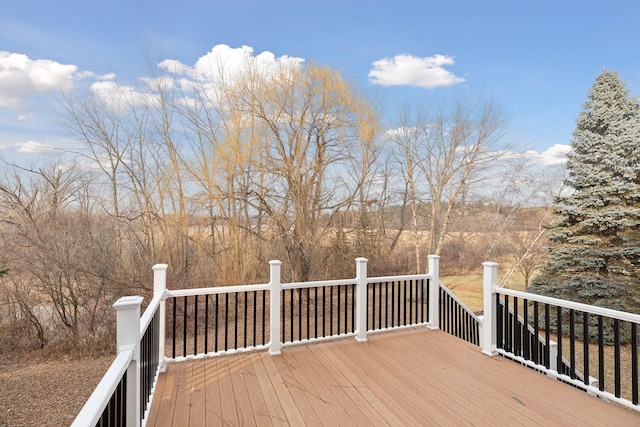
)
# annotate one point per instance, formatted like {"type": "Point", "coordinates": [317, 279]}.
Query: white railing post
{"type": "Point", "coordinates": [276, 286]}
{"type": "Point", "coordinates": [489, 281]}
{"type": "Point", "coordinates": [361, 299]}
{"type": "Point", "coordinates": [553, 356]}
{"type": "Point", "coordinates": [159, 286]}
{"type": "Point", "coordinates": [128, 333]}
{"type": "Point", "coordinates": [434, 292]}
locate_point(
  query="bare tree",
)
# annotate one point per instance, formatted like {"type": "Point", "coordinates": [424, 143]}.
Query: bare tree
{"type": "Point", "coordinates": [449, 153]}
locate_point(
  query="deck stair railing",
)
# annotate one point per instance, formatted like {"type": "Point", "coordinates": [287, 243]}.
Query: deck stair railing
{"type": "Point", "coordinates": [575, 342]}
{"type": "Point", "coordinates": [456, 318]}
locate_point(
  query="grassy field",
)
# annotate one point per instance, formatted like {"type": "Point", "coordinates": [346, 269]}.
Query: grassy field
{"type": "Point", "coordinates": [469, 288]}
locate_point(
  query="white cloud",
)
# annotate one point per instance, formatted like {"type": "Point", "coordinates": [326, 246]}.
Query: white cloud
{"type": "Point", "coordinates": [223, 63]}
{"type": "Point", "coordinates": [552, 156]}
{"type": "Point", "coordinates": [22, 77]}
{"type": "Point", "coordinates": [37, 148]}
{"type": "Point", "coordinates": [409, 70]}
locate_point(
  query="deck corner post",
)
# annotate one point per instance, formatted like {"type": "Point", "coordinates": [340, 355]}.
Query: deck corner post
{"type": "Point", "coordinates": [489, 282]}
{"type": "Point", "coordinates": [434, 292]}
{"type": "Point", "coordinates": [274, 325]}
{"type": "Point", "coordinates": [159, 287]}
{"type": "Point", "coordinates": [361, 299]}
{"type": "Point", "coordinates": [128, 339]}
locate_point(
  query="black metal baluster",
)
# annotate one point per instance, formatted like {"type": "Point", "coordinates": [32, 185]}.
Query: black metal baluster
{"type": "Point", "coordinates": [217, 324]}
{"type": "Point", "coordinates": [235, 322]}
{"type": "Point", "coordinates": [195, 326]}
{"type": "Point", "coordinates": [393, 310]}
{"type": "Point", "coordinates": [600, 353]}
{"type": "Point", "coordinates": [331, 310]}
{"type": "Point", "coordinates": [536, 331]}
{"type": "Point", "coordinates": [572, 344]}
{"type": "Point", "coordinates": [411, 286]}
{"type": "Point", "coordinates": [499, 323]}
{"type": "Point", "coordinates": [324, 304]}
{"type": "Point", "coordinates": [292, 313]}
{"type": "Point", "coordinates": [353, 307]}
{"type": "Point", "coordinates": [206, 324]}
{"type": "Point", "coordinates": [255, 316]}
{"type": "Point", "coordinates": [226, 321]}
{"type": "Point", "coordinates": [264, 309]}
{"type": "Point", "coordinates": [184, 328]}
{"type": "Point", "coordinates": [525, 330]}
{"type": "Point", "coordinates": [404, 302]}
{"type": "Point", "coordinates": [585, 346]}
{"type": "Point", "coordinates": [315, 306]}
{"type": "Point", "coordinates": [300, 314]}
{"type": "Point", "coordinates": [634, 363]}
{"type": "Point", "coordinates": [173, 333]}
{"type": "Point", "coordinates": [244, 315]}
{"type": "Point", "coordinates": [507, 324]}
{"type": "Point", "coordinates": [547, 337]}
{"type": "Point", "coordinates": [338, 310]}
{"type": "Point", "coordinates": [283, 315]}
{"type": "Point", "coordinates": [616, 355]}
{"type": "Point", "coordinates": [559, 364]}
{"type": "Point", "coordinates": [516, 328]}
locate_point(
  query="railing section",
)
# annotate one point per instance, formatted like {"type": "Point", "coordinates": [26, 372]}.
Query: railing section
{"type": "Point", "coordinates": [397, 302]}
{"type": "Point", "coordinates": [315, 310]}
{"type": "Point", "coordinates": [456, 318]}
{"type": "Point", "coordinates": [179, 324]}
{"type": "Point", "coordinates": [588, 347]}
{"type": "Point", "coordinates": [219, 320]}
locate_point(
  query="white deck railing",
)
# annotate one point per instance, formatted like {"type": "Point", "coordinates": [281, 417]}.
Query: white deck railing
{"type": "Point", "coordinates": [138, 398]}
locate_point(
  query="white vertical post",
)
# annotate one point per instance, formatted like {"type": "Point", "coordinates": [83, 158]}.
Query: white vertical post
{"type": "Point", "coordinates": [489, 281]}
{"type": "Point", "coordinates": [434, 292]}
{"type": "Point", "coordinates": [276, 287]}
{"type": "Point", "coordinates": [159, 286]}
{"type": "Point", "coordinates": [553, 356]}
{"type": "Point", "coordinates": [361, 299]}
{"type": "Point", "coordinates": [128, 330]}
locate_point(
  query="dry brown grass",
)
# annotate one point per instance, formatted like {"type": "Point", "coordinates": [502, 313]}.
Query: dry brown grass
{"type": "Point", "coordinates": [40, 391]}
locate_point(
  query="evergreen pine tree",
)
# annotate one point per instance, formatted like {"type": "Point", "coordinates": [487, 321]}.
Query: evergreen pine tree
{"type": "Point", "coordinates": [594, 253]}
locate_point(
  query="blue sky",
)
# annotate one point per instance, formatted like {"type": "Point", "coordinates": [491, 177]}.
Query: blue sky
{"type": "Point", "coordinates": [536, 59]}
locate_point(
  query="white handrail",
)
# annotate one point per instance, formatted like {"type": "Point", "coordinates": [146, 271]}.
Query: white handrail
{"type": "Point", "coordinates": [318, 283]}
{"type": "Point", "coordinates": [460, 303]}
{"type": "Point", "coordinates": [215, 290]}
{"type": "Point", "coordinates": [607, 312]}
{"type": "Point", "coordinates": [398, 278]}
{"type": "Point", "coordinates": [149, 312]}
{"type": "Point", "coordinates": [92, 410]}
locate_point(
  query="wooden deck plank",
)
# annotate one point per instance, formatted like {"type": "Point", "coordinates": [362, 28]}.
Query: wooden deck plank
{"type": "Point", "coordinates": [155, 409]}
{"type": "Point", "coordinates": [259, 407]}
{"type": "Point", "coordinates": [324, 403]}
{"type": "Point", "coordinates": [197, 410]}
{"type": "Point", "coordinates": [388, 381]}
{"type": "Point", "coordinates": [287, 374]}
{"type": "Point", "coordinates": [434, 395]}
{"type": "Point", "coordinates": [165, 399]}
{"type": "Point", "coordinates": [213, 409]}
{"type": "Point", "coordinates": [410, 377]}
{"type": "Point", "coordinates": [228, 403]}
{"type": "Point", "coordinates": [285, 397]}
{"type": "Point", "coordinates": [327, 385]}
{"type": "Point", "coordinates": [183, 396]}
{"type": "Point", "coordinates": [359, 392]}
{"type": "Point", "coordinates": [277, 414]}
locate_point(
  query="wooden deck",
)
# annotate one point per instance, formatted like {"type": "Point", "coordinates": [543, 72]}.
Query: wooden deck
{"type": "Point", "coordinates": [411, 377]}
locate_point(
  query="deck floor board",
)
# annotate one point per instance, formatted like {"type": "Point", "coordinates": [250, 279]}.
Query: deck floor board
{"type": "Point", "coordinates": [409, 377]}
